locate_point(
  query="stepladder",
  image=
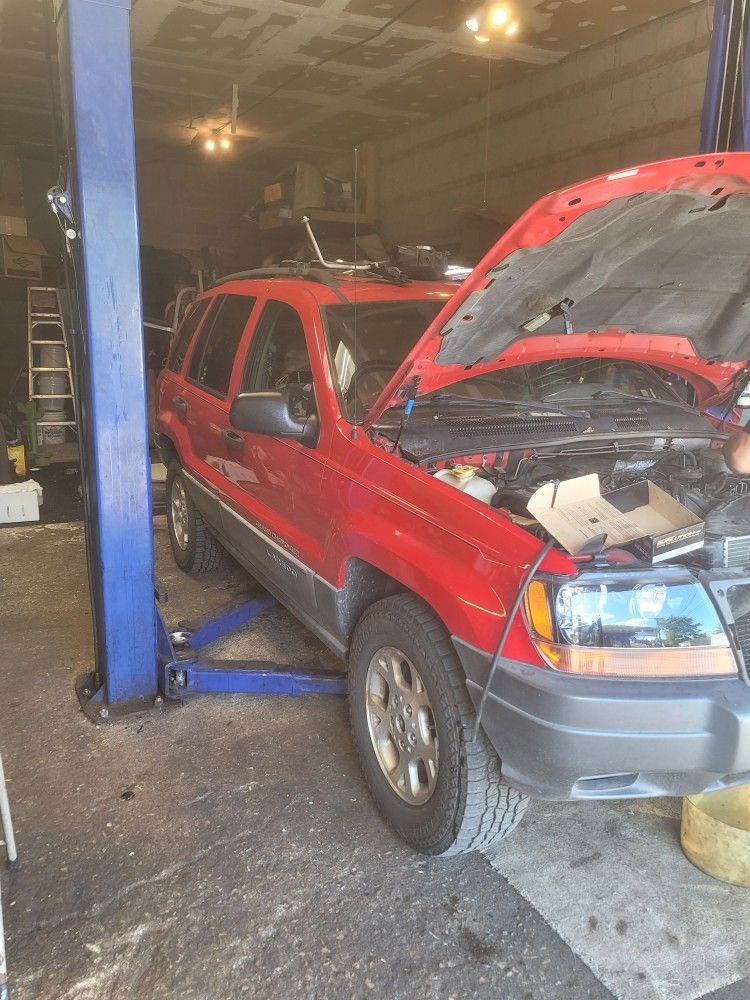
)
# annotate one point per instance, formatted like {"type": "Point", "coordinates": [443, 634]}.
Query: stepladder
{"type": "Point", "coordinates": [51, 384]}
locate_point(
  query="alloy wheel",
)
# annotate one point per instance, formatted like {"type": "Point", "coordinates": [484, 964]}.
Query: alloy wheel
{"type": "Point", "coordinates": [178, 501]}
{"type": "Point", "coordinates": [402, 727]}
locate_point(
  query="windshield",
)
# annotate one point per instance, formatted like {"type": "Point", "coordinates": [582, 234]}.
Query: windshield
{"type": "Point", "coordinates": [589, 381]}
{"type": "Point", "coordinates": [385, 333]}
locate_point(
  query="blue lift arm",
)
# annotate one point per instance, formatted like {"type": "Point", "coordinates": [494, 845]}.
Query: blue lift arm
{"type": "Point", "coordinates": [185, 670]}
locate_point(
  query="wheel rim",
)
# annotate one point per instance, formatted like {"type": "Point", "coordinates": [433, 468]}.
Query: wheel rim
{"type": "Point", "coordinates": [402, 727]}
{"type": "Point", "coordinates": [178, 502]}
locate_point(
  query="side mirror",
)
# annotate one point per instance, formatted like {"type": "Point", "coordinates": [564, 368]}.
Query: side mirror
{"type": "Point", "coordinates": [269, 413]}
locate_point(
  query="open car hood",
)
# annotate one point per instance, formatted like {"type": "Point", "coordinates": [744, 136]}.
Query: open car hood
{"type": "Point", "coordinates": [653, 262]}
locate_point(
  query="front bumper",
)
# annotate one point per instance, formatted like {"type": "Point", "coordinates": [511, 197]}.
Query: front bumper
{"type": "Point", "coordinates": [561, 737]}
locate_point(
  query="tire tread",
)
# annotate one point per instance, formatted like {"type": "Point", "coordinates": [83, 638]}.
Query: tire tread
{"type": "Point", "coordinates": [205, 552]}
{"type": "Point", "coordinates": [209, 553]}
{"type": "Point", "coordinates": [491, 808]}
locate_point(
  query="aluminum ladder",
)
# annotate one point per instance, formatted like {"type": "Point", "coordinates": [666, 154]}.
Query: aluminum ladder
{"type": "Point", "coordinates": [45, 317]}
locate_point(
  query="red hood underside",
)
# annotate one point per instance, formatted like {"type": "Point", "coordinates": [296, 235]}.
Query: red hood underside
{"type": "Point", "coordinates": [649, 264]}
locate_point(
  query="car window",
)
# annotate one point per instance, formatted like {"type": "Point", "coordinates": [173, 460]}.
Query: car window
{"type": "Point", "coordinates": [367, 342]}
{"type": "Point", "coordinates": [190, 323]}
{"type": "Point", "coordinates": [216, 346]}
{"type": "Point", "coordinates": [279, 360]}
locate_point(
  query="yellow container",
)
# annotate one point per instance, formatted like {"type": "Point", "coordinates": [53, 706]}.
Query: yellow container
{"type": "Point", "coordinates": [17, 454]}
{"type": "Point", "coordinates": [715, 833]}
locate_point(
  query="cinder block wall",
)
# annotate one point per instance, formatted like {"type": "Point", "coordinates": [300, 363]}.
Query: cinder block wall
{"type": "Point", "coordinates": [635, 98]}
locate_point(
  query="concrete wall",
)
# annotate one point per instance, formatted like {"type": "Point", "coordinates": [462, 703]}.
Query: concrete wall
{"type": "Point", "coordinates": [635, 98]}
{"type": "Point", "coordinates": [186, 206]}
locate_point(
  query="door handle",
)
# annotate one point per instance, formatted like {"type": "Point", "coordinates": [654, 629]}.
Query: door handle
{"type": "Point", "coordinates": [232, 439]}
{"type": "Point", "coordinates": [180, 405]}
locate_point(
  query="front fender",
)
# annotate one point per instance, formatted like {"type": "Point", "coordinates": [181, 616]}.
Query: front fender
{"type": "Point", "coordinates": [466, 590]}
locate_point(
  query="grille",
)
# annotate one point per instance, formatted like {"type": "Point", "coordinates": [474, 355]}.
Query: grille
{"type": "Point", "coordinates": [737, 552]}
{"type": "Point", "coordinates": [742, 628]}
{"type": "Point", "coordinates": [631, 423]}
{"type": "Point", "coordinates": [466, 426]}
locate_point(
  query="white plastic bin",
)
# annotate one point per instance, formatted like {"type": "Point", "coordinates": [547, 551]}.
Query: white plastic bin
{"type": "Point", "coordinates": [20, 502]}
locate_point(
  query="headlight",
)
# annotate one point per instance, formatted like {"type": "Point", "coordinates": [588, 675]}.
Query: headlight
{"type": "Point", "coordinates": [627, 625]}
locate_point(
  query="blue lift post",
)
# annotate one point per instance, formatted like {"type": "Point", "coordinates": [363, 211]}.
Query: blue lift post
{"type": "Point", "coordinates": [94, 56]}
{"type": "Point", "coordinates": [725, 125]}
{"type": "Point", "coordinates": [135, 653]}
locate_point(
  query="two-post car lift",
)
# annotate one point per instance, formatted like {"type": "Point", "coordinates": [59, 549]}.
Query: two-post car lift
{"type": "Point", "coordinates": [137, 660]}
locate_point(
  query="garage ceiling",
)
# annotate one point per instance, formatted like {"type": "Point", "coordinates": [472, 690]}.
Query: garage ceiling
{"type": "Point", "coordinates": [302, 86]}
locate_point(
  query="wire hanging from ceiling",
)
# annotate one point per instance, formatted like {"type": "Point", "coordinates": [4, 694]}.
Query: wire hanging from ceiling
{"type": "Point", "coordinates": [487, 127]}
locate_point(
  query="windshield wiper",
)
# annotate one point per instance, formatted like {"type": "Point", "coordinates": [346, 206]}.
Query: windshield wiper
{"type": "Point", "coordinates": [677, 403]}
{"type": "Point", "coordinates": [525, 405]}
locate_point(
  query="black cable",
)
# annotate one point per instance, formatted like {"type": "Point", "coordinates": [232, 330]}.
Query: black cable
{"type": "Point", "coordinates": [506, 631]}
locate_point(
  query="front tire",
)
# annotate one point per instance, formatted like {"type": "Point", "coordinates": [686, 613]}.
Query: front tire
{"type": "Point", "coordinates": [412, 720]}
{"type": "Point", "coordinates": [194, 548]}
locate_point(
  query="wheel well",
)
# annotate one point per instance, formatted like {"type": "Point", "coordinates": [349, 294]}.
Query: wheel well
{"type": "Point", "coordinates": [366, 585]}
{"type": "Point", "coordinates": [167, 449]}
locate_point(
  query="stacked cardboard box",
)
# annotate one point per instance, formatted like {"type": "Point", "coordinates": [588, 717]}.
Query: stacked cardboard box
{"type": "Point", "coordinates": [20, 257]}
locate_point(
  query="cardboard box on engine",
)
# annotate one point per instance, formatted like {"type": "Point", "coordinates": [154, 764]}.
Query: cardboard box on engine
{"type": "Point", "coordinates": [641, 518]}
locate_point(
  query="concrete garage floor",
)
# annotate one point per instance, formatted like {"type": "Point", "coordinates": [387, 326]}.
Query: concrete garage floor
{"type": "Point", "coordinates": [228, 848]}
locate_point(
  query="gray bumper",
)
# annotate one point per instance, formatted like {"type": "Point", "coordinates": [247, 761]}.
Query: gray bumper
{"type": "Point", "coordinates": [562, 737]}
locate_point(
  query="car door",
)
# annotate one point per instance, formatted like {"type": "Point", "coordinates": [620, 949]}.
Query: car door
{"type": "Point", "coordinates": [205, 397]}
{"type": "Point", "coordinates": [274, 512]}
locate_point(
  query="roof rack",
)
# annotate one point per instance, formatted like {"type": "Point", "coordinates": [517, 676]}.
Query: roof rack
{"type": "Point", "coordinates": [311, 272]}
{"type": "Point", "coordinates": [295, 269]}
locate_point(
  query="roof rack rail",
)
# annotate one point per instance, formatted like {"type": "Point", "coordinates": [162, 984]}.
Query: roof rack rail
{"type": "Point", "coordinates": [295, 269]}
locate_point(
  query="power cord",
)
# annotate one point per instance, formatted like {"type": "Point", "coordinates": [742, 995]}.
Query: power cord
{"type": "Point", "coordinates": [506, 631]}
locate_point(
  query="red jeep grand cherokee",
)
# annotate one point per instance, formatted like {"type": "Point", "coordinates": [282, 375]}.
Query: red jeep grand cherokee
{"type": "Point", "coordinates": [367, 450]}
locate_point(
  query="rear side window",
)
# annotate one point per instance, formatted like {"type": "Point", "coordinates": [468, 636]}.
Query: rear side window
{"type": "Point", "coordinates": [190, 323]}
{"type": "Point", "coordinates": [216, 347]}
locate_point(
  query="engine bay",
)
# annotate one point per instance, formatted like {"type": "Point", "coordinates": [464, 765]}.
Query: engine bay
{"type": "Point", "coordinates": [692, 471]}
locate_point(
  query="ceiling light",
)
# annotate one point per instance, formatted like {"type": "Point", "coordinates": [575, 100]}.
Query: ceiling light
{"type": "Point", "coordinates": [493, 19]}
{"type": "Point", "coordinates": [210, 145]}
{"type": "Point", "coordinates": [225, 143]}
